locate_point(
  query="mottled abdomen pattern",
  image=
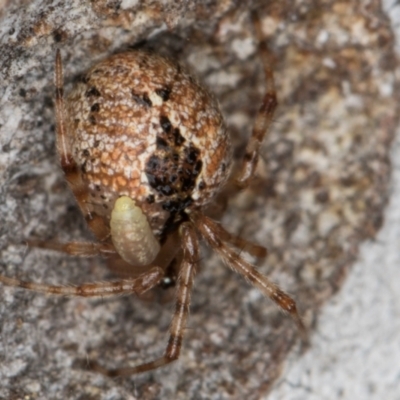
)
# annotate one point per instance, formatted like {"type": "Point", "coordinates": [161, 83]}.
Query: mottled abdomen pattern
{"type": "Point", "coordinates": [140, 126]}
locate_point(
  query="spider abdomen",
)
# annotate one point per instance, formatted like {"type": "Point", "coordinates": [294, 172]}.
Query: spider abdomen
{"type": "Point", "coordinates": [141, 127]}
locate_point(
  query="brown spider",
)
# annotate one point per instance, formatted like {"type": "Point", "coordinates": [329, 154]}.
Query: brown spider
{"type": "Point", "coordinates": [145, 151]}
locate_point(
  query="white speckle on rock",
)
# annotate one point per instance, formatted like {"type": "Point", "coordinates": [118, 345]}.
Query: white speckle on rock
{"type": "Point", "coordinates": [327, 220]}
{"type": "Point", "coordinates": [243, 48]}
{"type": "Point", "coordinates": [126, 4]}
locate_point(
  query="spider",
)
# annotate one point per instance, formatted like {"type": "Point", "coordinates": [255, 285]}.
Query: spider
{"type": "Point", "coordinates": [146, 153]}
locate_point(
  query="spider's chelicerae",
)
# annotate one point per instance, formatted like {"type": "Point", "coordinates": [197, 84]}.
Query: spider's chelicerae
{"type": "Point", "coordinates": [146, 153]}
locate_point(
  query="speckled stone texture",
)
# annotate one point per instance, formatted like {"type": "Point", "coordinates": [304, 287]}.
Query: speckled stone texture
{"type": "Point", "coordinates": [321, 192]}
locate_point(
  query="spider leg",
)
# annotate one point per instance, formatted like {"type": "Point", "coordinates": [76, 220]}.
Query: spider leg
{"type": "Point", "coordinates": [68, 164]}
{"type": "Point", "coordinates": [241, 244]}
{"type": "Point", "coordinates": [138, 285]}
{"type": "Point", "coordinates": [81, 249]}
{"type": "Point", "coordinates": [184, 287]}
{"type": "Point", "coordinates": [209, 230]}
{"type": "Point", "coordinates": [264, 116]}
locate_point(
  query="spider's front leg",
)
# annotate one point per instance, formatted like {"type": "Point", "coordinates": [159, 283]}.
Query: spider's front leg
{"type": "Point", "coordinates": [211, 231]}
{"type": "Point", "coordinates": [138, 285]}
{"type": "Point", "coordinates": [134, 242]}
{"type": "Point", "coordinates": [187, 272]}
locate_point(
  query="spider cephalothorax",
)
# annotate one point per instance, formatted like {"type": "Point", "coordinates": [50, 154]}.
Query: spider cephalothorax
{"type": "Point", "coordinates": [145, 151]}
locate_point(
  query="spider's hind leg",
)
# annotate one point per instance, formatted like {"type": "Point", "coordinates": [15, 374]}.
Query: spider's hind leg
{"type": "Point", "coordinates": [68, 164]}
{"type": "Point", "coordinates": [264, 116]}
{"type": "Point", "coordinates": [74, 248]}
